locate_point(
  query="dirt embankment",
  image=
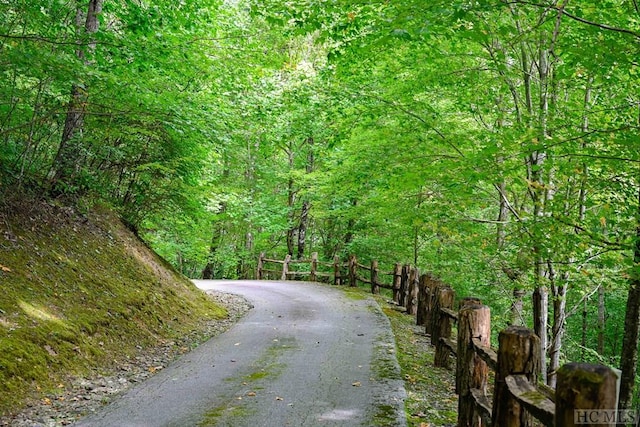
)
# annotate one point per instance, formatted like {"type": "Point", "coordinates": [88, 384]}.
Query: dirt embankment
{"type": "Point", "coordinates": [80, 294]}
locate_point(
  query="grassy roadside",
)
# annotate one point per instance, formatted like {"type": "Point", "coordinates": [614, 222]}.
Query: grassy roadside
{"type": "Point", "coordinates": [431, 399]}
{"type": "Point", "coordinates": [78, 294]}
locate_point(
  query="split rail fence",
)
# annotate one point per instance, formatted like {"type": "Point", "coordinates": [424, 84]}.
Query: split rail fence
{"type": "Point", "coordinates": [585, 393]}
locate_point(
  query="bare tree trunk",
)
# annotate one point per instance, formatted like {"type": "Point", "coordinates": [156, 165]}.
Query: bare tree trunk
{"type": "Point", "coordinates": [629, 354]}
{"type": "Point", "coordinates": [351, 223]}
{"type": "Point", "coordinates": [302, 228]}
{"type": "Point", "coordinates": [306, 205]}
{"type": "Point", "coordinates": [291, 199]}
{"type": "Point", "coordinates": [503, 212]}
{"type": "Point", "coordinates": [209, 271]}
{"type": "Point", "coordinates": [601, 320]}
{"type": "Point", "coordinates": [540, 323]}
{"type": "Point", "coordinates": [244, 269]}
{"type": "Point", "coordinates": [517, 315]}
{"type": "Point", "coordinates": [540, 293]}
{"type": "Point", "coordinates": [585, 327]}
{"type": "Point", "coordinates": [534, 162]}
{"type": "Point", "coordinates": [68, 158]}
{"type": "Point", "coordinates": [558, 291]}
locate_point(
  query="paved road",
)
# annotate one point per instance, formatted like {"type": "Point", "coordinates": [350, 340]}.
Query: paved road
{"type": "Point", "coordinates": [305, 355]}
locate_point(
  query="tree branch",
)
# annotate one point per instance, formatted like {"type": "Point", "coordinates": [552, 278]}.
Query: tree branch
{"type": "Point", "coordinates": [579, 19]}
{"type": "Point", "coordinates": [592, 236]}
{"type": "Point", "coordinates": [506, 201]}
{"type": "Point", "coordinates": [36, 38]}
{"type": "Point", "coordinates": [420, 119]}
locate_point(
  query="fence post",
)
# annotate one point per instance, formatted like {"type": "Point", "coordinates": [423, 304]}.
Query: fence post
{"type": "Point", "coordinates": [402, 294]}
{"type": "Point", "coordinates": [397, 278]}
{"type": "Point", "coordinates": [518, 353]}
{"type": "Point", "coordinates": [442, 328]}
{"type": "Point", "coordinates": [375, 285]}
{"type": "Point", "coordinates": [433, 284]}
{"type": "Point", "coordinates": [285, 267]}
{"type": "Point", "coordinates": [412, 292]}
{"type": "Point", "coordinates": [353, 266]}
{"type": "Point", "coordinates": [583, 388]}
{"type": "Point", "coordinates": [465, 301]}
{"type": "Point", "coordinates": [337, 273]}
{"type": "Point", "coordinates": [260, 266]}
{"type": "Point", "coordinates": [421, 316]}
{"type": "Point", "coordinates": [474, 321]}
{"type": "Point", "coordinates": [314, 267]}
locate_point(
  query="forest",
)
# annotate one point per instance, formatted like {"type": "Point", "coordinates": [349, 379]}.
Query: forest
{"type": "Point", "coordinates": [494, 143]}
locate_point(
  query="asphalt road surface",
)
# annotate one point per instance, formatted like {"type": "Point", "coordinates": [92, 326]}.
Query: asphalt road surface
{"type": "Point", "coordinates": [305, 355]}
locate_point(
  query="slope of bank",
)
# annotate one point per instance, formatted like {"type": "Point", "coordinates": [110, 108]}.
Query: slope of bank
{"type": "Point", "coordinates": [79, 294]}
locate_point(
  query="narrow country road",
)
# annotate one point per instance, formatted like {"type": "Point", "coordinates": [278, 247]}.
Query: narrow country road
{"type": "Point", "coordinates": [305, 355]}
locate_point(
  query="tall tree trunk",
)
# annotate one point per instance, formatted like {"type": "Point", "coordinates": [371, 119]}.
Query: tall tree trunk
{"type": "Point", "coordinates": [291, 199]}
{"type": "Point", "coordinates": [351, 223]}
{"type": "Point", "coordinates": [558, 292]}
{"type": "Point", "coordinates": [601, 320]}
{"type": "Point", "coordinates": [517, 315]}
{"type": "Point", "coordinates": [534, 163]}
{"type": "Point", "coordinates": [503, 212]}
{"type": "Point", "coordinates": [629, 355]}
{"type": "Point", "coordinates": [243, 269]}
{"type": "Point", "coordinates": [416, 229]}
{"type": "Point", "coordinates": [306, 205]}
{"type": "Point", "coordinates": [302, 228]}
{"type": "Point", "coordinates": [540, 317]}
{"type": "Point", "coordinates": [217, 233]}
{"type": "Point", "coordinates": [68, 158]}
{"type": "Point", "coordinates": [250, 182]}
{"type": "Point", "coordinates": [585, 328]}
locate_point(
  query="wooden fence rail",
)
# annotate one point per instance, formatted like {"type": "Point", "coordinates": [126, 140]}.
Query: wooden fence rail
{"type": "Point", "coordinates": [517, 398]}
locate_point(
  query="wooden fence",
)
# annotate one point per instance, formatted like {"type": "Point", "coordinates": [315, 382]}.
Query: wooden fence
{"type": "Point", "coordinates": [403, 278]}
{"type": "Point", "coordinates": [585, 393]}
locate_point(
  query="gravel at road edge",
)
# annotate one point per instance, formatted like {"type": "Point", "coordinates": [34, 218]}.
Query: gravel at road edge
{"type": "Point", "coordinates": [82, 396]}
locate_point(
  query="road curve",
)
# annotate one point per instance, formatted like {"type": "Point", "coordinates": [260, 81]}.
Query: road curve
{"type": "Point", "coordinates": [305, 355]}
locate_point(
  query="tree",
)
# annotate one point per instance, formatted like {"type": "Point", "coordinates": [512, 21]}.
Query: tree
{"type": "Point", "coordinates": [70, 152]}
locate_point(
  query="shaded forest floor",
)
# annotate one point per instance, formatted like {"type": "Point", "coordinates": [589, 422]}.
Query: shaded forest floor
{"type": "Point", "coordinates": [431, 399]}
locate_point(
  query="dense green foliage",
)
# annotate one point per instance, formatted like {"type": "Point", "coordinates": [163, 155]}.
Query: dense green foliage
{"type": "Point", "coordinates": [494, 143]}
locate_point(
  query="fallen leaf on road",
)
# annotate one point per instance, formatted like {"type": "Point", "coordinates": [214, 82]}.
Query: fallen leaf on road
{"type": "Point", "coordinates": [356, 384]}
{"type": "Point", "coordinates": [5, 269]}
{"type": "Point", "coordinates": [251, 393]}
{"type": "Point", "coordinates": [279, 398]}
